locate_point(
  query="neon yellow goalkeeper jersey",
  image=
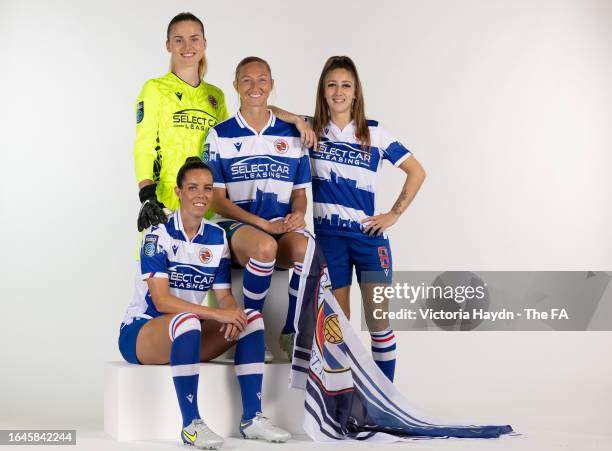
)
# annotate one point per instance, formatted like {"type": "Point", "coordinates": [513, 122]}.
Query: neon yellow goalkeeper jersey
{"type": "Point", "coordinates": [173, 119]}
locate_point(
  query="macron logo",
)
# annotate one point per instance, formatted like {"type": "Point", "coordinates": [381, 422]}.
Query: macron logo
{"type": "Point", "coordinates": [190, 398]}
{"type": "Point", "coordinates": [237, 146]}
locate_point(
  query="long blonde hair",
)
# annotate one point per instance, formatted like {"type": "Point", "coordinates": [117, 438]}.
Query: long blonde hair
{"type": "Point", "coordinates": [184, 17]}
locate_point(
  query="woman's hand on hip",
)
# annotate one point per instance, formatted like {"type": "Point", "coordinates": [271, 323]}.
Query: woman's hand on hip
{"type": "Point", "coordinates": [376, 225]}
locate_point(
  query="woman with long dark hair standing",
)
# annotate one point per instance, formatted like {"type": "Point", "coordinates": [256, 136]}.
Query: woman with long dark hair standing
{"type": "Point", "coordinates": [348, 225]}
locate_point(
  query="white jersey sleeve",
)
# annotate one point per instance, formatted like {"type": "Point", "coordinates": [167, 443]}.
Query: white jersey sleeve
{"type": "Point", "coordinates": [154, 253]}
{"type": "Point", "coordinates": [302, 176]}
{"type": "Point", "coordinates": [223, 278]}
{"type": "Point", "coordinates": [391, 148]}
{"type": "Point", "coordinates": [211, 157]}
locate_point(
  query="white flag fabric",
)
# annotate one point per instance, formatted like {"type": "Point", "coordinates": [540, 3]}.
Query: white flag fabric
{"type": "Point", "coordinates": [347, 395]}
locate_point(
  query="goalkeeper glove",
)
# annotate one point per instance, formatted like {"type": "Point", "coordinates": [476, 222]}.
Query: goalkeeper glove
{"type": "Point", "coordinates": [151, 211]}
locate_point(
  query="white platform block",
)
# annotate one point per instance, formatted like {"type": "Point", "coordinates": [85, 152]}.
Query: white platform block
{"type": "Point", "coordinates": [140, 401]}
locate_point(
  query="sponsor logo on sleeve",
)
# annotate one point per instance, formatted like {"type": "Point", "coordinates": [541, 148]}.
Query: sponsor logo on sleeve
{"type": "Point", "coordinates": [150, 245]}
{"type": "Point", "coordinates": [206, 153]}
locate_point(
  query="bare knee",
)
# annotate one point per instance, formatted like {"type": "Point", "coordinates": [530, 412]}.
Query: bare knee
{"type": "Point", "coordinates": [299, 249]}
{"type": "Point", "coordinates": [374, 321]}
{"type": "Point", "coordinates": [292, 249]}
{"type": "Point", "coordinates": [265, 248]}
{"type": "Point", "coordinates": [343, 297]}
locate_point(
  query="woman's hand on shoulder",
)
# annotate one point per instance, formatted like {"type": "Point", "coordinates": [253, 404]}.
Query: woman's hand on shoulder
{"type": "Point", "coordinates": [376, 225]}
{"type": "Point", "coordinates": [308, 138]}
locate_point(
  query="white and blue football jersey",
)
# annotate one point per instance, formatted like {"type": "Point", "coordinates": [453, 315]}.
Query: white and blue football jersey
{"type": "Point", "coordinates": [191, 267]}
{"type": "Point", "coordinates": [344, 177]}
{"type": "Point", "coordinates": [258, 170]}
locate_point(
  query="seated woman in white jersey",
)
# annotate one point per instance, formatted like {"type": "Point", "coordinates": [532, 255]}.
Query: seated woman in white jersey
{"type": "Point", "coordinates": [261, 175]}
{"type": "Point", "coordinates": [166, 323]}
{"type": "Point", "coordinates": [348, 225]}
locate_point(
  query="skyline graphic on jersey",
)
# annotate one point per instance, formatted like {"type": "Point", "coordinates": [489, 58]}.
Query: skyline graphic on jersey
{"type": "Point", "coordinates": [343, 191]}
{"type": "Point", "coordinates": [337, 224]}
{"type": "Point", "coordinates": [265, 205]}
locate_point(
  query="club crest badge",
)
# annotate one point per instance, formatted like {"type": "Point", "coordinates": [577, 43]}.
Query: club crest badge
{"type": "Point", "coordinates": [281, 146]}
{"type": "Point", "coordinates": [206, 255]}
{"type": "Point", "coordinates": [213, 101]}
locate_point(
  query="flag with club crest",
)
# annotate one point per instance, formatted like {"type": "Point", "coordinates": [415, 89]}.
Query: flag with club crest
{"type": "Point", "coordinates": [347, 395]}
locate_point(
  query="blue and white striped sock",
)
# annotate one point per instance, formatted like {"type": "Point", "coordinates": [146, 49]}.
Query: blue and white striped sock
{"type": "Point", "coordinates": [384, 351]}
{"type": "Point", "coordinates": [294, 284]}
{"type": "Point", "coordinates": [249, 363]}
{"type": "Point", "coordinates": [185, 330]}
{"type": "Point", "coordinates": [256, 282]}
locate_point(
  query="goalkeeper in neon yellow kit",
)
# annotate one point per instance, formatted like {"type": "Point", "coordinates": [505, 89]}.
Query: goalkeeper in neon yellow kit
{"type": "Point", "coordinates": [173, 116]}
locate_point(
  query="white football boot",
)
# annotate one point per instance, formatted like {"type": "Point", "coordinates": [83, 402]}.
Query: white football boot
{"type": "Point", "coordinates": [262, 428]}
{"type": "Point", "coordinates": [198, 434]}
{"type": "Point", "coordinates": [268, 356]}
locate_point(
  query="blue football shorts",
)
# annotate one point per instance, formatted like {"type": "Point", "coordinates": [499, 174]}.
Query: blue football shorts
{"type": "Point", "coordinates": [127, 339]}
{"type": "Point", "coordinates": [365, 254]}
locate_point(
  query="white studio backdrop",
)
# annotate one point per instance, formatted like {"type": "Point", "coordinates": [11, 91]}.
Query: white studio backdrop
{"type": "Point", "coordinates": [507, 104]}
